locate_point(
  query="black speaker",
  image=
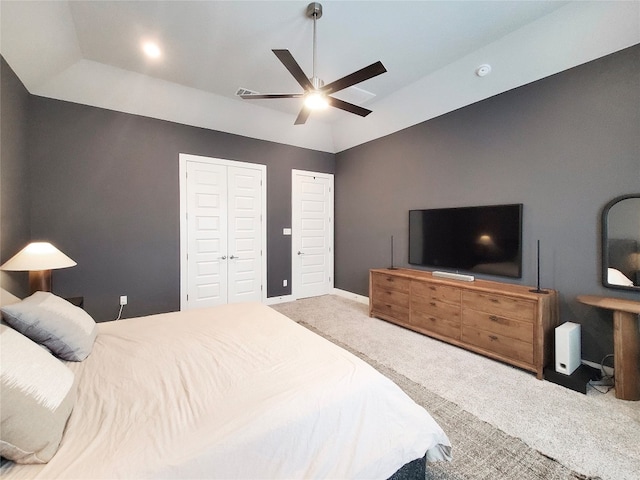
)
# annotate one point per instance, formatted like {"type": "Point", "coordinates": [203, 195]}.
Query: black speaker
{"type": "Point", "coordinates": [392, 267]}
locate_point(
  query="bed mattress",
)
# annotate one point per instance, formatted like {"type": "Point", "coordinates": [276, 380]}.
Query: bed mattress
{"type": "Point", "coordinates": [236, 391]}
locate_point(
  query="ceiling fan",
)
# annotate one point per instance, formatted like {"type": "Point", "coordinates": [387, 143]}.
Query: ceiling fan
{"type": "Point", "coordinates": [316, 94]}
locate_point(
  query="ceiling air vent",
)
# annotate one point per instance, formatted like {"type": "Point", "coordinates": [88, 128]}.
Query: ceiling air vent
{"type": "Point", "coordinates": [246, 91]}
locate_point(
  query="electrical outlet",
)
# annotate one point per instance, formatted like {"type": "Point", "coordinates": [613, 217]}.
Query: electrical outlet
{"type": "Point", "coordinates": [123, 299]}
{"type": "Point", "coordinates": [284, 283]}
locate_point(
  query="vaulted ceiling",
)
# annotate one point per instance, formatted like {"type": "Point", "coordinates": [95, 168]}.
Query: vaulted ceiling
{"type": "Point", "coordinates": [89, 52]}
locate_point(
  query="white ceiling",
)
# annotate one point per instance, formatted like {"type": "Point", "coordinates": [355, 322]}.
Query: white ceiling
{"type": "Point", "coordinates": [89, 52]}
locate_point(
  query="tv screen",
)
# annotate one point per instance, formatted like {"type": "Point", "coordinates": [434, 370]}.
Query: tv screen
{"type": "Point", "coordinates": [485, 239]}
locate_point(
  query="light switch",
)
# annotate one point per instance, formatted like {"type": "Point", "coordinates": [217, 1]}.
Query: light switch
{"type": "Point", "coordinates": [286, 231]}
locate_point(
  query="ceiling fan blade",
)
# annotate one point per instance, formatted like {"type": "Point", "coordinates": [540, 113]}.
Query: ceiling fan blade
{"type": "Point", "coordinates": [294, 69]}
{"type": "Point", "coordinates": [257, 96]}
{"type": "Point", "coordinates": [348, 107]}
{"type": "Point", "coordinates": [302, 116]}
{"type": "Point", "coordinates": [361, 75]}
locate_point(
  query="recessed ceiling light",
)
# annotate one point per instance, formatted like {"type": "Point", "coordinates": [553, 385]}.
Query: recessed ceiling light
{"type": "Point", "coordinates": [483, 70]}
{"type": "Point", "coordinates": [151, 50]}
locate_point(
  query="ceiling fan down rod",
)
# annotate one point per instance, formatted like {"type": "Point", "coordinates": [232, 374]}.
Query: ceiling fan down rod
{"type": "Point", "coordinates": [314, 11]}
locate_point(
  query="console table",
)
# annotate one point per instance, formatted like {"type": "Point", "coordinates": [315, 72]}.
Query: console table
{"type": "Point", "coordinates": [503, 321]}
{"type": "Point", "coordinates": [626, 343]}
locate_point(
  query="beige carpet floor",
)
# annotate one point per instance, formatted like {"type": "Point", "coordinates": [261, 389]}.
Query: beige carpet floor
{"type": "Point", "coordinates": [596, 434]}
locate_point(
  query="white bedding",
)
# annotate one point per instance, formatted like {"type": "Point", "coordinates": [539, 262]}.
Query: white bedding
{"type": "Point", "coordinates": [237, 391]}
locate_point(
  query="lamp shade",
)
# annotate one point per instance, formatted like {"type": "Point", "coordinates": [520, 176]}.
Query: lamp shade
{"type": "Point", "coordinates": [38, 256]}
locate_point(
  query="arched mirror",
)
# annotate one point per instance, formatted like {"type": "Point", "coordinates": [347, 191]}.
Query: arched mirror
{"type": "Point", "coordinates": [621, 243]}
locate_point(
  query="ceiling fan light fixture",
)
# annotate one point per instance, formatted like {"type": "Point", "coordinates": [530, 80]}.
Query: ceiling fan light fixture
{"type": "Point", "coordinates": [316, 94]}
{"type": "Point", "coordinates": [316, 101]}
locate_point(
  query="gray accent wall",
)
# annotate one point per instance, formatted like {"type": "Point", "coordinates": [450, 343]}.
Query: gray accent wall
{"type": "Point", "coordinates": [105, 189]}
{"type": "Point", "coordinates": [563, 146]}
{"type": "Point", "coordinates": [15, 220]}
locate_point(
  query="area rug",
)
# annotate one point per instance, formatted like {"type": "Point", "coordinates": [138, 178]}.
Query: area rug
{"type": "Point", "coordinates": [480, 450]}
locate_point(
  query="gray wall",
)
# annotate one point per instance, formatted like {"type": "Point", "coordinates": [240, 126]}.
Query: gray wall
{"type": "Point", "coordinates": [14, 175]}
{"type": "Point", "coordinates": [105, 189]}
{"type": "Point", "coordinates": [563, 146]}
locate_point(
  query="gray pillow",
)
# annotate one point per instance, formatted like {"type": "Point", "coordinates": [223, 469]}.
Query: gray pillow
{"type": "Point", "coordinates": [38, 393]}
{"type": "Point", "coordinates": [68, 331]}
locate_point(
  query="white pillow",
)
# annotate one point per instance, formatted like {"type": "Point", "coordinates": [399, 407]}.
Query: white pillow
{"type": "Point", "coordinates": [38, 393]}
{"type": "Point", "coordinates": [67, 330]}
{"type": "Point", "coordinates": [7, 298]}
{"type": "Point", "coordinates": [616, 277]}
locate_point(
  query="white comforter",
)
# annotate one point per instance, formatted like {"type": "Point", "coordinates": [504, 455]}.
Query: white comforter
{"type": "Point", "coordinates": [237, 391]}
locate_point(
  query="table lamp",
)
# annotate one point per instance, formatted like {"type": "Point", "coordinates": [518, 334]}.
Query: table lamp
{"type": "Point", "coordinates": [38, 258]}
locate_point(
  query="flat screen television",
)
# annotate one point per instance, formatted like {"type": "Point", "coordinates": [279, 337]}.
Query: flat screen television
{"type": "Point", "coordinates": [482, 239]}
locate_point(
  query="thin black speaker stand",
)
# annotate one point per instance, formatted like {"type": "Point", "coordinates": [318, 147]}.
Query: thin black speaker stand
{"type": "Point", "coordinates": [537, 289]}
{"type": "Point", "coordinates": [391, 267]}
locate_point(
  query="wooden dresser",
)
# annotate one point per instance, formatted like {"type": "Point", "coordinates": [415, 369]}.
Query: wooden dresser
{"type": "Point", "coordinates": [503, 321]}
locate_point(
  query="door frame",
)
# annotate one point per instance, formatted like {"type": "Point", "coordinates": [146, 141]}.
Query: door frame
{"type": "Point", "coordinates": [182, 171]}
{"type": "Point", "coordinates": [295, 235]}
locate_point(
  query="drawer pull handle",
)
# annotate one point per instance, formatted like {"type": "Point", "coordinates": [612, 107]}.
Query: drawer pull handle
{"type": "Point", "coordinates": [493, 318]}
{"type": "Point", "coordinates": [494, 300]}
{"type": "Point", "coordinates": [493, 337]}
{"type": "Point", "coordinates": [433, 304]}
{"type": "Point", "coordinates": [432, 288]}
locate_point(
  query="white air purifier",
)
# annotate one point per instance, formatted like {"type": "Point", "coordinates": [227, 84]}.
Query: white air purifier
{"type": "Point", "coordinates": [567, 348]}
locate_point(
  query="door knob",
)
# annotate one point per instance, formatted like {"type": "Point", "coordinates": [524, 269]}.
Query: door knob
{"type": "Point", "coordinates": [232, 257]}
{"type": "Point", "coordinates": [300, 253]}
{"type": "Point", "coordinates": [223, 257]}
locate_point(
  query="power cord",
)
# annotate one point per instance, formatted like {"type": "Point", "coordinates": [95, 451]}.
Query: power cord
{"type": "Point", "coordinates": [120, 312]}
{"type": "Point", "coordinates": [606, 380]}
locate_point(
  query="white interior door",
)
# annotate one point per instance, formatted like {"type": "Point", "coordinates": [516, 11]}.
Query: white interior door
{"type": "Point", "coordinates": [207, 234]}
{"type": "Point", "coordinates": [312, 233]}
{"type": "Point", "coordinates": [245, 241]}
{"type": "Point", "coordinates": [222, 232]}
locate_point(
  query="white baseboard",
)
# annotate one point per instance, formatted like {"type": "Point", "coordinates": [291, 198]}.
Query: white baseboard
{"type": "Point", "coordinates": [351, 296]}
{"type": "Point", "coordinates": [280, 299]}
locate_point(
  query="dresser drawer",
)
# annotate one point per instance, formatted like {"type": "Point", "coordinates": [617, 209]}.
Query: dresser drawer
{"type": "Point", "coordinates": [382, 297]}
{"type": "Point", "coordinates": [507, 327]}
{"type": "Point", "coordinates": [446, 326]}
{"type": "Point", "coordinates": [494, 342]}
{"type": "Point", "coordinates": [390, 282]}
{"type": "Point", "coordinates": [391, 310]}
{"type": "Point", "coordinates": [436, 292]}
{"type": "Point", "coordinates": [435, 308]}
{"type": "Point", "coordinates": [500, 305]}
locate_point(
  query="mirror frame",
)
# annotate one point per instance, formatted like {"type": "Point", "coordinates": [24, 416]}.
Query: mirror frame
{"type": "Point", "coordinates": [605, 243]}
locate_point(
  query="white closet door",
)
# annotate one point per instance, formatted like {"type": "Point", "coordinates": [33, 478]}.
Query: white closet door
{"type": "Point", "coordinates": [207, 234]}
{"type": "Point", "coordinates": [312, 222]}
{"type": "Point", "coordinates": [245, 239]}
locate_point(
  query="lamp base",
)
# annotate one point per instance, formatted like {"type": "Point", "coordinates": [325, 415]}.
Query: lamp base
{"type": "Point", "coordinates": [39, 280]}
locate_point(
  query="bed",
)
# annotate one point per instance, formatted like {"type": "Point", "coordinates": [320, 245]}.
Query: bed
{"type": "Point", "coordinates": [235, 391]}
